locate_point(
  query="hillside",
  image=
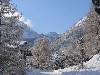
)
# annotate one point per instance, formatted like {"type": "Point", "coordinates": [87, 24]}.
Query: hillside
{"type": "Point", "coordinates": [66, 44]}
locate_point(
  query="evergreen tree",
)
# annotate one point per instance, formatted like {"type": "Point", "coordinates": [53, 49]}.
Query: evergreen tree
{"type": "Point", "coordinates": [11, 30]}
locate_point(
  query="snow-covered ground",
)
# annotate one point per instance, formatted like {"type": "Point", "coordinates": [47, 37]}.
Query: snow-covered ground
{"type": "Point", "coordinates": [40, 72]}
{"type": "Point", "coordinates": [92, 67]}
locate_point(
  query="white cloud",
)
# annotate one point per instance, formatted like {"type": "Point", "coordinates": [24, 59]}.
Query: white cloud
{"type": "Point", "coordinates": [28, 22]}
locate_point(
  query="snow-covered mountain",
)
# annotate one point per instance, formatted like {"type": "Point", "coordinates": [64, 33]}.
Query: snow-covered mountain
{"type": "Point", "coordinates": [30, 35]}
{"type": "Point", "coordinates": [68, 38]}
{"type": "Point", "coordinates": [67, 44]}
{"type": "Point", "coordinates": [51, 36]}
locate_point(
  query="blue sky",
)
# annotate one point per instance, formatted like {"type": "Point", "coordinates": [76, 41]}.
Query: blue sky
{"type": "Point", "coordinates": [52, 15]}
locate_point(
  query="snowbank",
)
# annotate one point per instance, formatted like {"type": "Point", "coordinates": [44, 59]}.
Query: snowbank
{"type": "Point", "coordinates": [40, 72]}
{"type": "Point", "coordinates": [93, 63]}
{"type": "Point", "coordinates": [91, 67]}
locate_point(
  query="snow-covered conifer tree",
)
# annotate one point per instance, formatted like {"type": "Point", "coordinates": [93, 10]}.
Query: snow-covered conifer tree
{"type": "Point", "coordinates": [11, 30]}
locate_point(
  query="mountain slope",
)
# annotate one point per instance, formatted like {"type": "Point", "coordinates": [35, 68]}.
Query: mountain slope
{"type": "Point", "coordinates": [67, 45]}
{"type": "Point", "coordinates": [69, 36]}
{"type": "Point", "coordinates": [51, 36]}
{"type": "Point", "coordinates": [30, 35]}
